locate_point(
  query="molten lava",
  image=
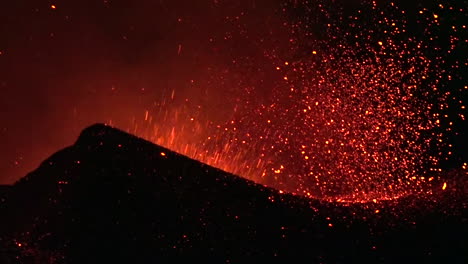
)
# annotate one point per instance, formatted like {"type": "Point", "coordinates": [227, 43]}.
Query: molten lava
{"type": "Point", "coordinates": [357, 115]}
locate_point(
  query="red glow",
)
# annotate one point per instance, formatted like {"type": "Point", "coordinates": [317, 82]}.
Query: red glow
{"type": "Point", "coordinates": [321, 105]}
{"type": "Point", "coordinates": [347, 127]}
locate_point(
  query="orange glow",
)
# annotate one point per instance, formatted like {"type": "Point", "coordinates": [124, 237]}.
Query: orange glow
{"type": "Point", "coordinates": [347, 128]}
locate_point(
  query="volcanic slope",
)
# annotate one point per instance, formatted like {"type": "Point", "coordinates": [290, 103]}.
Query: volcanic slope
{"type": "Point", "coordinates": [115, 198]}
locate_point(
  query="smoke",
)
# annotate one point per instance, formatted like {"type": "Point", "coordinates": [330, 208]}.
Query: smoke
{"type": "Point", "coordinates": [94, 61]}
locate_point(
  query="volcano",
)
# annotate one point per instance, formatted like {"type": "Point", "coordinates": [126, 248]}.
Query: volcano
{"type": "Point", "coordinates": [115, 198]}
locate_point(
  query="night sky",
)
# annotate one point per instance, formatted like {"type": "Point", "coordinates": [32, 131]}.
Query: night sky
{"type": "Point", "coordinates": [313, 97]}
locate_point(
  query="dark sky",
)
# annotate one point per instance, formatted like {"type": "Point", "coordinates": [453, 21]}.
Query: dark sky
{"type": "Point", "coordinates": [67, 64]}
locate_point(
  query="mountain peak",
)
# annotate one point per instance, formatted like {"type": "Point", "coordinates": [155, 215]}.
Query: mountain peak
{"type": "Point", "coordinates": [112, 197]}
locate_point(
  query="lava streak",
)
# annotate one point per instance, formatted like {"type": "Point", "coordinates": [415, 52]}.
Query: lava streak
{"type": "Point", "coordinates": [360, 111]}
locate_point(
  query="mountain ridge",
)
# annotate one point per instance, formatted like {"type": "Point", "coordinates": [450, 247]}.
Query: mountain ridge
{"type": "Point", "coordinates": [114, 197]}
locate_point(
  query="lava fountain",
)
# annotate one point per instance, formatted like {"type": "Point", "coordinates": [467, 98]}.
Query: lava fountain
{"type": "Point", "coordinates": [360, 109]}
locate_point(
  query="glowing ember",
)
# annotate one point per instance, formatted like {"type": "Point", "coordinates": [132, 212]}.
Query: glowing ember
{"type": "Point", "coordinates": [359, 118]}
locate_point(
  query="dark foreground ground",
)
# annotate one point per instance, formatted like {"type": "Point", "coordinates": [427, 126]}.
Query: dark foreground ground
{"type": "Point", "coordinates": [114, 198]}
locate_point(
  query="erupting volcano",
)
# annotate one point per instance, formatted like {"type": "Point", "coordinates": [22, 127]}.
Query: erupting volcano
{"type": "Point", "coordinates": [233, 129]}
{"type": "Point", "coordinates": [360, 107]}
{"type": "Point", "coordinates": [340, 101]}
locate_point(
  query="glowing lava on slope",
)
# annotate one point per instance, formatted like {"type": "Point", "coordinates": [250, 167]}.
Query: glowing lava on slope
{"type": "Point", "coordinates": [360, 111]}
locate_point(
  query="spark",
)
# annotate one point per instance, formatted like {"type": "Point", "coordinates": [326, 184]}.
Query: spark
{"type": "Point", "coordinates": [358, 121]}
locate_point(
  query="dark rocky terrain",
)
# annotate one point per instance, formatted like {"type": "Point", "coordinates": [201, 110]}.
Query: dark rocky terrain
{"type": "Point", "coordinates": [115, 198]}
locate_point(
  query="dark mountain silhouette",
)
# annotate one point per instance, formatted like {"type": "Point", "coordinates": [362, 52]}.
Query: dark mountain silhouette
{"type": "Point", "coordinates": [115, 198]}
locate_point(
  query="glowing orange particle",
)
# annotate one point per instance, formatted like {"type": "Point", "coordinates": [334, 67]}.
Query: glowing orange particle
{"type": "Point", "coordinates": [361, 150]}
